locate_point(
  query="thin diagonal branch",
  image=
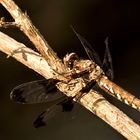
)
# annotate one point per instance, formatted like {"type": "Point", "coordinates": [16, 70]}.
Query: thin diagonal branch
{"type": "Point", "coordinates": [24, 23]}
{"type": "Point", "coordinates": [25, 55]}
{"type": "Point", "coordinates": [92, 101]}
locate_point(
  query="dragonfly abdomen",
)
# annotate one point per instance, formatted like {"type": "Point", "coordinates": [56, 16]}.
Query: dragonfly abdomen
{"type": "Point", "coordinates": [118, 92]}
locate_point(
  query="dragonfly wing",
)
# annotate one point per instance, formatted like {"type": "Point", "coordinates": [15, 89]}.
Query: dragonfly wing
{"type": "Point", "coordinates": [36, 92]}
{"type": "Point", "coordinates": [107, 62]}
{"type": "Point", "coordinates": [44, 117]}
{"type": "Point", "coordinates": [89, 49]}
{"type": "Point", "coordinates": [67, 104]}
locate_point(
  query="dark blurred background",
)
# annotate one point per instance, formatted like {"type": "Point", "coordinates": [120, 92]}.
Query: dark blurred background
{"type": "Point", "coordinates": [95, 20]}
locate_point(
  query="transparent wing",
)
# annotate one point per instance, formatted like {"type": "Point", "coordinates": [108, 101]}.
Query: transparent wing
{"type": "Point", "coordinates": [43, 118]}
{"type": "Point", "coordinates": [107, 62]}
{"type": "Point", "coordinates": [36, 92]}
{"type": "Point", "coordinates": [65, 105]}
{"type": "Point", "coordinates": [88, 48]}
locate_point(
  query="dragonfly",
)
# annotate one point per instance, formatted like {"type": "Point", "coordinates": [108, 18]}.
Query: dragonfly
{"type": "Point", "coordinates": [104, 78]}
{"type": "Point", "coordinates": [95, 73]}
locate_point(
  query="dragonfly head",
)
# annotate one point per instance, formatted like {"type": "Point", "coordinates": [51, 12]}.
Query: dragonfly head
{"type": "Point", "coordinates": [69, 60]}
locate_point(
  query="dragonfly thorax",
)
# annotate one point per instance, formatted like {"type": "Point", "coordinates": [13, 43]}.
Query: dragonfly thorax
{"type": "Point", "coordinates": [96, 73]}
{"type": "Point", "coordinates": [82, 67]}
{"type": "Point", "coordinates": [88, 67]}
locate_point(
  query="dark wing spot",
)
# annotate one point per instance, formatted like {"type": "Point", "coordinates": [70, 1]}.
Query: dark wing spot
{"type": "Point", "coordinates": [67, 106]}
{"type": "Point", "coordinates": [39, 121]}
{"type": "Point", "coordinates": [47, 115]}
{"type": "Point", "coordinates": [17, 96]}
{"type": "Point", "coordinates": [40, 91]}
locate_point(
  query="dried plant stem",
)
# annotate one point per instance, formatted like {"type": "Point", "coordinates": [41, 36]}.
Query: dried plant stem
{"type": "Point", "coordinates": [111, 115]}
{"type": "Point", "coordinates": [92, 100]}
{"type": "Point", "coordinates": [25, 55]}
{"type": "Point", "coordinates": [25, 25]}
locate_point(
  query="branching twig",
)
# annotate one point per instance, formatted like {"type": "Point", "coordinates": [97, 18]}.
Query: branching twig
{"type": "Point", "coordinates": [52, 69]}
{"type": "Point", "coordinates": [24, 23]}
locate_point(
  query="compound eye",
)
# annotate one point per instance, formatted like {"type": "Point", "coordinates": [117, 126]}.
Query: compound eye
{"type": "Point", "coordinates": [69, 59]}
